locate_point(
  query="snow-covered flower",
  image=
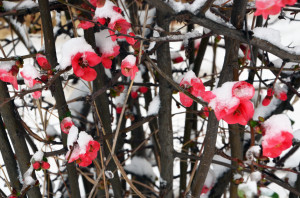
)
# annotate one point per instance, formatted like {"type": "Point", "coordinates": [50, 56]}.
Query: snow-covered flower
{"type": "Point", "coordinates": [108, 49]}
{"type": "Point", "coordinates": [85, 151]}
{"type": "Point", "coordinates": [30, 74]}
{"type": "Point", "coordinates": [66, 124]}
{"type": "Point", "coordinates": [277, 135]}
{"type": "Point", "coordinates": [128, 66]}
{"type": "Point", "coordinates": [232, 102]}
{"type": "Point", "coordinates": [9, 72]}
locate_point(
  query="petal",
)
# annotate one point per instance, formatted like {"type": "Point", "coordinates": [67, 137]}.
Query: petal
{"type": "Point", "coordinates": [106, 62]}
{"type": "Point", "coordinates": [92, 58]}
{"type": "Point", "coordinates": [185, 100]}
{"type": "Point", "coordinates": [89, 74]}
{"type": "Point", "coordinates": [8, 77]}
{"type": "Point", "coordinates": [241, 115]}
{"type": "Point", "coordinates": [78, 71]}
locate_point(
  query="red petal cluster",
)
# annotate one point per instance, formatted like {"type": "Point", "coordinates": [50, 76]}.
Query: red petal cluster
{"type": "Point", "coordinates": [271, 7]}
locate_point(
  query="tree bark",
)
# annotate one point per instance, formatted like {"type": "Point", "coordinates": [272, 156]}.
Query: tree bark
{"type": "Point", "coordinates": [56, 88]}
{"type": "Point", "coordinates": [165, 133]}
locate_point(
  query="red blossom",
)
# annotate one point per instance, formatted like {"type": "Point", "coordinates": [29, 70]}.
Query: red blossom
{"type": "Point", "coordinates": [102, 21]}
{"type": "Point", "coordinates": [86, 158]}
{"type": "Point", "coordinates": [117, 9]}
{"type": "Point", "coordinates": [267, 7]}
{"type": "Point", "coordinates": [43, 62]}
{"type": "Point", "coordinates": [120, 25]}
{"type": "Point", "coordinates": [32, 83]}
{"type": "Point", "coordinates": [266, 101]}
{"type": "Point", "coordinates": [82, 63]}
{"type": "Point", "coordinates": [107, 57]}
{"type": "Point", "coordinates": [128, 66]}
{"type": "Point", "coordinates": [130, 40]}
{"type": "Point", "coordinates": [273, 147]}
{"type": "Point", "coordinates": [66, 124]}
{"type": "Point", "coordinates": [134, 94]}
{"type": "Point", "coordinates": [242, 114]}
{"type": "Point", "coordinates": [143, 89]}
{"type": "Point", "coordinates": [178, 59]}
{"type": "Point", "coordinates": [85, 25]}
{"type": "Point", "coordinates": [195, 86]}
{"type": "Point", "coordinates": [45, 165]}
{"type": "Point", "coordinates": [119, 109]}
{"type": "Point", "coordinates": [36, 165]}
{"type": "Point", "coordinates": [10, 76]}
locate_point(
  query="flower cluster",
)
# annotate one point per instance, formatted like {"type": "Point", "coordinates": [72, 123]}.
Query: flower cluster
{"type": "Point", "coordinates": [195, 86]}
{"type": "Point", "coordinates": [271, 7]}
{"type": "Point", "coordinates": [82, 148]}
{"type": "Point", "coordinates": [39, 162]}
{"type": "Point", "coordinates": [278, 91]}
{"type": "Point", "coordinates": [277, 135]}
{"type": "Point", "coordinates": [232, 102]}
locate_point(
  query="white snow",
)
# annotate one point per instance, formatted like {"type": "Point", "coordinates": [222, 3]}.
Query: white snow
{"type": "Point", "coordinates": [224, 99]}
{"type": "Point", "coordinates": [104, 42]}
{"type": "Point", "coordinates": [72, 136]}
{"type": "Point", "coordinates": [188, 76]}
{"type": "Point", "coordinates": [10, 5]}
{"type": "Point", "coordinates": [255, 176]}
{"type": "Point", "coordinates": [83, 140]}
{"type": "Point", "coordinates": [130, 59]}
{"type": "Point", "coordinates": [38, 156]}
{"type": "Point", "coordinates": [140, 166]}
{"type": "Point", "coordinates": [107, 12]}
{"type": "Point", "coordinates": [193, 7]}
{"type": "Point", "coordinates": [71, 48]}
{"type": "Point", "coordinates": [268, 34]}
{"type": "Point", "coordinates": [253, 151]}
{"type": "Point", "coordinates": [29, 71]}
{"type": "Point", "coordinates": [154, 106]}
{"type": "Point", "coordinates": [249, 189]}
{"type": "Point", "coordinates": [7, 65]}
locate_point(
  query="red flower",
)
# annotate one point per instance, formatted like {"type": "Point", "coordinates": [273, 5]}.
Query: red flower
{"type": "Point", "coordinates": [233, 107]}
{"type": "Point", "coordinates": [178, 59]}
{"type": "Point", "coordinates": [121, 25]}
{"type": "Point", "coordinates": [273, 147]}
{"type": "Point", "coordinates": [243, 90]}
{"type": "Point", "coordinates": [242, 114]}
{"type": "Point", "coordinates": [134, 94]}
{"type": "Point", "coordinates": [102, 21]}
{"type": "Point", "coordinates": [266, 101]}
{"type": "Point", "coordinates": [86, 157]}
{"type": "Point", "coordinates": [29, 73]}
{"type": "Point", "coordinates": [45, 165]}
{"type": "Point", "coordinates": [267, 7]}
{"type": "Point", "coordinates": [107, 57]}
{"type": "Point", "coordinates": [85, 25]}
{"type": "Point", "coordinates": [82, 63]}
{"type": "Point", "coordinates": [66, 125]}
{"type": "Point", "coordinates": [117, 9]}
{"type": "Point", "coordinates": [130, 40]}
{"type": "Point", "coordinates": [195, 86]}
{"type": "Point", "coordinates": [143, 89]}
{"type": "Point", "coordinates": [10, 76]}
{"type": "Point", "coordinates": [43, 62]}
{"type": "Point", "coordinates": [119, 109]}
{"type": "Point", "coordinates": [128, 66]}
{"type": "Point", "coordinates": [36, 165]}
